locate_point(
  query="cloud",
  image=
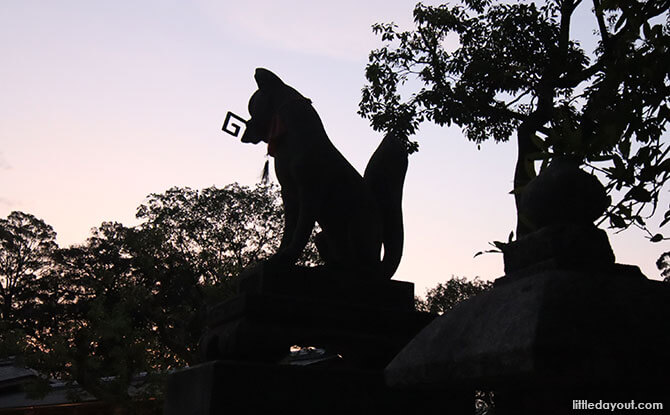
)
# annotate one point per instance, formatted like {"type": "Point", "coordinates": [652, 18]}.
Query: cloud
{"type": "Point", "coordinates": [6, 202]}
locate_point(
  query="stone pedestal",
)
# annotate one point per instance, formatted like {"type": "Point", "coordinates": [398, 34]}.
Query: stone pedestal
{"type": "Point", "coordinates": [233, 387]}
{"type": "Point", "coordinates": [364, 323]}
{"type": "Point", "coordinates": [566, 326]}
{"type": "Point", "coordinates": [543, 341]}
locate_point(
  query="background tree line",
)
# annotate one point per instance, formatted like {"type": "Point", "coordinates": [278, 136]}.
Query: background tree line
{"type": "Point", "coordinates": [130, 300]}
{"type": "Point", "coordinates": [515, 71]}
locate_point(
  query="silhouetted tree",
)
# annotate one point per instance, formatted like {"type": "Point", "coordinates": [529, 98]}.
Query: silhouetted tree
{"type": "Point", "coordinates": [444, 296]}
{"type": "Point", "coordinates": [133, 300]}
{"type": "Point", "coordinates": [96, 328]}
{"type": "Point", "coordinates": [219, 231]}
{"type": "Point", "coordinates": [516, 71]}
{"type": "Point", "coordinates": [26, 245]}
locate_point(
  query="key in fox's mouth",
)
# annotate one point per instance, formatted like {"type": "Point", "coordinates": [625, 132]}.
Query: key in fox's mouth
{"type": "Point", "coordinates": [232, 124]}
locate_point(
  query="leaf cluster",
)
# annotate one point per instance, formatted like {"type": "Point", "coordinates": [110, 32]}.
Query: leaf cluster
{"type": "Point", "coordinates": [445, 296]}
{"type": "Point", "coordinates": [116, 313]}
{"type": "Point", "coordinates": [498, 69]}
{"type": "Point", "coordinates": [26, 243]}
{"type": "Point", "coordinates": [663, 265]}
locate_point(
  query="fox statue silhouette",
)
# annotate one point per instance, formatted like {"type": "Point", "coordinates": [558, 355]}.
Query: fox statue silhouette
{"type": "Point", "coordinates": [357, 215]}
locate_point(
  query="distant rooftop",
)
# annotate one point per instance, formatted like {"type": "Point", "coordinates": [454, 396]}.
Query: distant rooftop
{"type": "Point", "coordinates": [12, 372]}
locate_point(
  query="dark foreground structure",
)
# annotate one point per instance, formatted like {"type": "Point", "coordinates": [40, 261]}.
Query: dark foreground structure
{"type": "Point", "coordinates": [565, 329]}
{"type": "Point", "coordinates": [360, 326]}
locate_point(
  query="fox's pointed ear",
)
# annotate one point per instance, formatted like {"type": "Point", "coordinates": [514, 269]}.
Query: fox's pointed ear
{"type": "Point", "coordinates": [266, 79]}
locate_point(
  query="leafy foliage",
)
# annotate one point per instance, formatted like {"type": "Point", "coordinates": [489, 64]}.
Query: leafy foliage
{"type": "Point", "coordinates": [26, 245]}
{"type": "Point", "coordinates": [132, 301]}
{"type": "Point", "coordinates": [221, 231]}
{"type": "Point", "coordinates": [663, 265]}
{"type": "Point", "coordinates": [515, 70]}
{"type": "Point", "coordinates": [97, 328]}
{"type": "Point", "coordinates": [444, 296]}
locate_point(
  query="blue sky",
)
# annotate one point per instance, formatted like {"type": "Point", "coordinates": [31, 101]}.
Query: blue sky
{"type": "Point", "coordinates": [102, 103]}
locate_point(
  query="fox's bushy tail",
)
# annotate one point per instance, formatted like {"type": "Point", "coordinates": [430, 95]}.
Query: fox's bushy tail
{"type": "Point", "coordinates": [385, 177]}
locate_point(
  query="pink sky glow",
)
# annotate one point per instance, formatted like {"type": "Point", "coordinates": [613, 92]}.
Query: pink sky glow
{"type": "Point", "coordinates": [102, 103]}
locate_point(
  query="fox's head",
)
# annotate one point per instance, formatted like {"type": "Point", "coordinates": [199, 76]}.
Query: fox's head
{"type": "Point", "coordinates": [263, 105]}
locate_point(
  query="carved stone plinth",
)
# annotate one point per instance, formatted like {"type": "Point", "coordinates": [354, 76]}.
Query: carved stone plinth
{"type": "Point", "coordinates": [540, 342]}
{"type": "Point", "coordinates": [564, 325]}
{"type": "Point", "coordinates": [248, 339]}
{"type": "Point", "coordinates": [228, 387]}
{"type": "Point", "coordinates": [564, 246]}
{"type": "Point", "coordinates": [366, 323]}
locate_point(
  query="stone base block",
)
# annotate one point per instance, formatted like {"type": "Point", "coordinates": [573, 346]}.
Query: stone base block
{"type": "Point", "coordinates": [366, 321]}
{"type": "Point", "coordinates": [225, 387]}
{"type": "Point", "coordinates": [323, 284]}
{"type": "Point", "coordinates": [549, 338]}
{"type": "Point", "coordinates": [262, 328]}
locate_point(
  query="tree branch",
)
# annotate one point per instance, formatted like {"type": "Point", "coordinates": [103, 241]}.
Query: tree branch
{"type": "Point", "coordinates": [602, 27]}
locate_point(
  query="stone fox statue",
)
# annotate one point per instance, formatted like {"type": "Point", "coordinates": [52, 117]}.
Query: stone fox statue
{"type": "Point", "coordinates": [357, 214]}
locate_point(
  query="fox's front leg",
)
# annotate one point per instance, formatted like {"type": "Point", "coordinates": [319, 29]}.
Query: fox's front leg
{"type": "Point", "coordinates": [303, 230]}
{"type": "Point", "coordinates": [293, 243]}
{"type": "Point", "coordinates": [291, 211]}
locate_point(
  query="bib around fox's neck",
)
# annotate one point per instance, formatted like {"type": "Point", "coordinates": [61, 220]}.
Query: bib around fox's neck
{"type": "Point", "coordinates": [277, 130]}
{"type": "Point", "coordinates": [275, 134]}
{"type": "Point", "coordinates": [277, 126]}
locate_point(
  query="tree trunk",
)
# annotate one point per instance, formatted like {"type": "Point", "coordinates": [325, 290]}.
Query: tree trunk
{"type": "Point", "coordinates": [524, 172]}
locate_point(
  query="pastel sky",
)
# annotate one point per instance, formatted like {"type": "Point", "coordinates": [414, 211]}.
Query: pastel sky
{"type": "Point", "coordinates": [104, 102]}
